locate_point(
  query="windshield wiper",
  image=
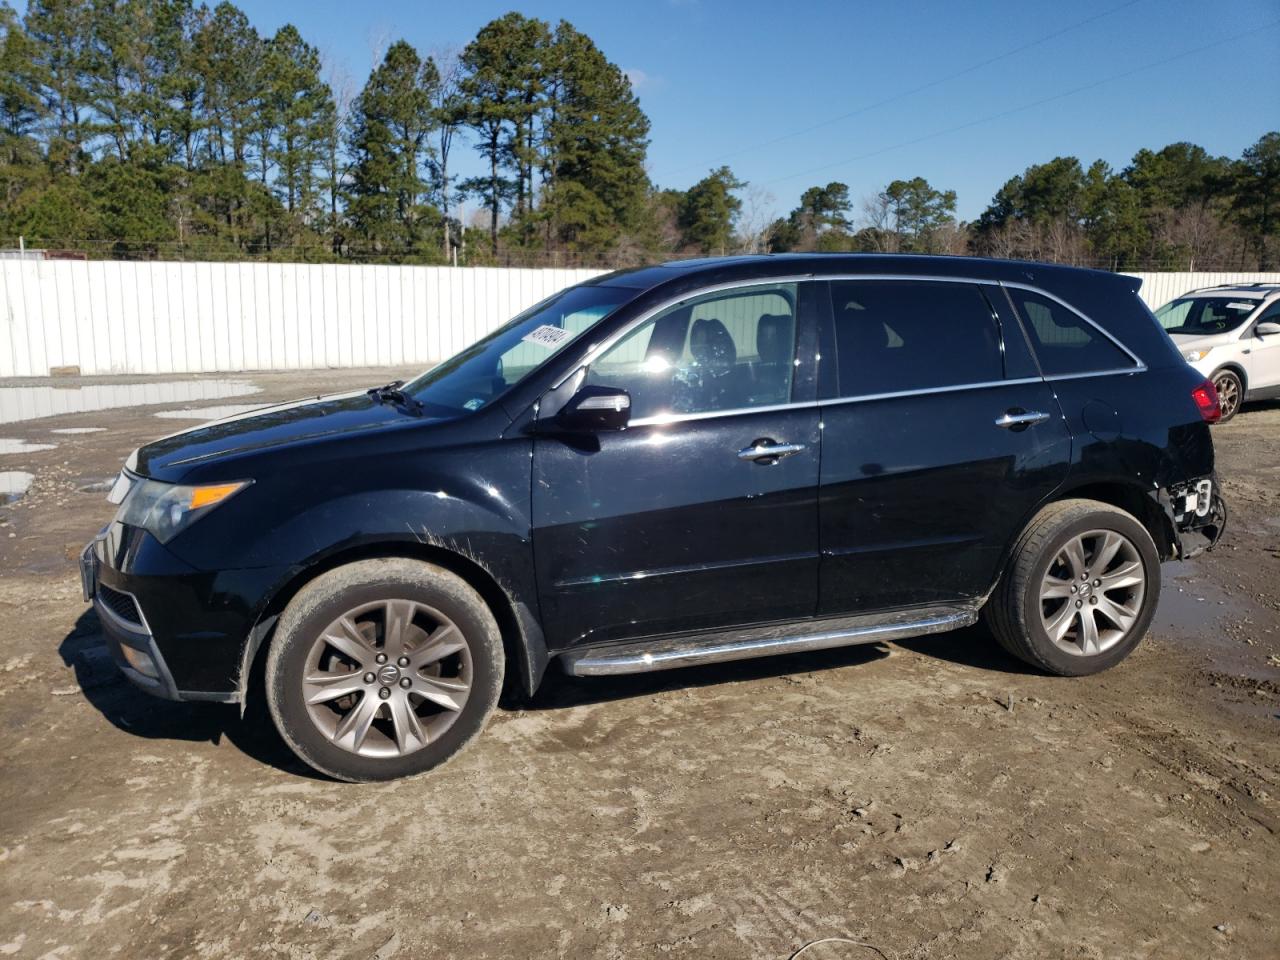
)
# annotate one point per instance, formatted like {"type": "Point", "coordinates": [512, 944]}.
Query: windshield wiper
{"type": "Point", "coordinates": [391, 393]}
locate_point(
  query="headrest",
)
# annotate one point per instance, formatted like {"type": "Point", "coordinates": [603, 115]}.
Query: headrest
{"type": "Point", "coordinates": [711, 344]}
{"type": "Point", "coordinates": [773, 337]}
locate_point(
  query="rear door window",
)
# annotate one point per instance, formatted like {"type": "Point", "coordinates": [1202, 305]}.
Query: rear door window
{"type": "Point", "coordinates": [1065, 342]}
{"type": "Point", "coordinates": [895, 336]}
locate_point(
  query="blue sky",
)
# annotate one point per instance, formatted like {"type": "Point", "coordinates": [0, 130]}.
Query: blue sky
{"type": "Point", "coordinates": [720, 80]}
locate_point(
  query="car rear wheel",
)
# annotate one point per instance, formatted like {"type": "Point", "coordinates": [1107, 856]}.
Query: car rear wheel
{"type": "Point", "coordinates": [383, 669]}
{"type": "Point", "coordinates": [1079, 590]}
{"type": "Point", "coordinates": [1230, 393]}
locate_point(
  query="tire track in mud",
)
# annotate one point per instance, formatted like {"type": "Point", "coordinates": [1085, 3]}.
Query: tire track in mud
{"type": "Point", "coordinates": [1177, 753]}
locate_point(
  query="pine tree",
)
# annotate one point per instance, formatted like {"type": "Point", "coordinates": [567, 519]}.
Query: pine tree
{"type": "Point", "coordinates": [708, 211]}
{"type": "Point", "coordinates": [393, 119]}
{"type": "Point", "coordinates": [495, 66]}
{"type": "Point", "coordinates": [596, 142]}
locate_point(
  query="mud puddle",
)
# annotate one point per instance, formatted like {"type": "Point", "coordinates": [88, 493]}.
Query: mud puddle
{"type": "Point", "coordinates": [36, 402]}
{"type": "Point", "coordinates": [1197, 614]}
{"type": "Point", "coordinates": [13, 484]}
{"type": "Point", "coordinates": [9, 445]}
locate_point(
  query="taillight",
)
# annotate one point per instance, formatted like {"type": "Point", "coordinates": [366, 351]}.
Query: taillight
{"type": "Point", "coordinates": [1206, 398]}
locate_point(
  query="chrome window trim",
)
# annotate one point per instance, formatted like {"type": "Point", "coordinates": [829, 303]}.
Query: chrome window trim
{"type": "Point", "coordinates": [595, 350]}
{"type": "Point", "coordinates": [925, 391]}
{"type": "Point", "coordinates": [662, 419]}
{"type": "Point", "coordinates": [658, 419]}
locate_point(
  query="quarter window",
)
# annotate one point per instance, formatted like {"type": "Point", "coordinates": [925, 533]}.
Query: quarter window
{"type": "Point", "coordinates": [1064, 341]}
{"type": "Point", "coordinates": [900, 335]}
{"type": "Point", "coordinates": [729, 350]}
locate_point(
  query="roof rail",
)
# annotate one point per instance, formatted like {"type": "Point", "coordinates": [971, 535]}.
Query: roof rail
{"type": "Point", "coordinates": [1256, 285]}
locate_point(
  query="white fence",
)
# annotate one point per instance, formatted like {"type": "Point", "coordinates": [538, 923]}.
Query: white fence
{"type": "Point", "coordinates": [111, 317]}
{"type": "Point", "coordinates": [1159, 288]}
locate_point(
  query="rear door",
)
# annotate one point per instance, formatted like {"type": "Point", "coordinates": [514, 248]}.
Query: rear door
{"type": "Point", "coordinates": [686, 520]}
{"type": "Point", "coordinates": [939, 438]}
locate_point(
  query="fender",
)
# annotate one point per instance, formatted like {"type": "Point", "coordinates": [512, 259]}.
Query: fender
{"type": "Point", "coordinates": [483, 543]}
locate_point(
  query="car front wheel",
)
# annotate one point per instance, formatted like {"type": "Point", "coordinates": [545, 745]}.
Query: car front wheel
{"type": "Point", "coordinates": [1230, 393]}
{"type": "Point", "coordinates": [382, 669]}
{"type": "Point", "coordinates": [1079, 590]}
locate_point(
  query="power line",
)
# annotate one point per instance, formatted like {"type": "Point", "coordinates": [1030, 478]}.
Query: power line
{"type": "Point", "coordinates": [1029, 106]}
{"type": "Point", "coordinates": [914, 90]}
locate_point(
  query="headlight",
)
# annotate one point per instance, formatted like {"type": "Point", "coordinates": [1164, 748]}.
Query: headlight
{"type": "Point", "coordinates": [1191, 356]}
{"type": "Point", "coordinates": [166, 509]}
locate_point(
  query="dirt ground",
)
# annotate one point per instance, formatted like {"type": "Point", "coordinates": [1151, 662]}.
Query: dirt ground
{"type": "Point", "coordinates": [932, 798]}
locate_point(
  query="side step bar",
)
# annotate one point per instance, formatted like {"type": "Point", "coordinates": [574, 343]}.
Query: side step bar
{"type": "Point", "coordinates": [667, 653]}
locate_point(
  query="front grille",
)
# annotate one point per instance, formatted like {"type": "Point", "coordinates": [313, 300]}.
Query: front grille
{"type": "Point", "coordinates": [121, 604]}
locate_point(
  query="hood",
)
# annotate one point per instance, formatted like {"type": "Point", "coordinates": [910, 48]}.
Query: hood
{"type": "Point", "coordinates": [1191, 341]}
{"type": "Point", "coordinates": [275, 426]}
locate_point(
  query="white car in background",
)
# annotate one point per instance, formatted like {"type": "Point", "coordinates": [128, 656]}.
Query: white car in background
{"type": "Point", "coordinates": [1231, 334]}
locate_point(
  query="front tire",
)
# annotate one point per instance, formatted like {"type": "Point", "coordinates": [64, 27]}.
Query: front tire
{"type": "Point", "coordinates": [1230, 393]}
{"type": "Point", "coordinates": [383, 669]}
{"type": "Point", "coordinates": [1079, 591]}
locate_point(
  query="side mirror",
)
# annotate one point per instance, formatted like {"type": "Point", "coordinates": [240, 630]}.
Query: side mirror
{"type": "Point", "coordinates": [595, 408]}
{"type": "Point", "coordinates": [1268, 328]}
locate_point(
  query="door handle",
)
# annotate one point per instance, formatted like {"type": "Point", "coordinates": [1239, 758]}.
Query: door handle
{"type": "Point", "coordinates": [1019, 419]}
{"type": "Point", "coordinates": [765, 452]}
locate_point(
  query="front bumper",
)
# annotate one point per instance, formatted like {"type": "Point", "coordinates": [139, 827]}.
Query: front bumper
{"type": "Point", "coordinates": [175, 632]}
{"type": "Point", "coordinates": [129, 641]}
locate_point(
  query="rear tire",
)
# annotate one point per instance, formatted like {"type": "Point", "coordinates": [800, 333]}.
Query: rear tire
{"type": "Point", "coordinates": [383, 669]}
{"type": "Point", "coordinates": [1079, 590]}
{"type": "Point", "coordinates": [1230, 393]}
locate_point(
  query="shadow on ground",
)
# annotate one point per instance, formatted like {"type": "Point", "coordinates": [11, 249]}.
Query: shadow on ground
{"type": "Point", "coordinates": [137, 712]}
{"type": "Point", "coordinates": [253, 733]}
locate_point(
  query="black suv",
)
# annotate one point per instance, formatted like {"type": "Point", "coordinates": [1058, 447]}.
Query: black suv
{"type": "Point", "coordinates": [688, 463]}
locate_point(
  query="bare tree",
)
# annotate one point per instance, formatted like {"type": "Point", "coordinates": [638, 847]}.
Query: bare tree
{"type": "Point", "coordinates": [448, 108]}
{"type": "Point", "coordinates": [336, 164]}
{"type": "Point", "coordinates": [877, 215]}
{"type": "Point", "coordinates": [758, 212]}
{"type": "Point", "coordinates": [1062, 241]}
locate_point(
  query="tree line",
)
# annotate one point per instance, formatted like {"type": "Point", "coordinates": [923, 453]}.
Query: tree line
{"type": "Point", "coordinates": [1178, 208]}
{"type": "Point", "coordinates": [169, 129]}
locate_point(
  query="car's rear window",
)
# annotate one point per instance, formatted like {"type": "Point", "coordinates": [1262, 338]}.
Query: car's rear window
{"type": "Point", "coordinates": [1065, 342]}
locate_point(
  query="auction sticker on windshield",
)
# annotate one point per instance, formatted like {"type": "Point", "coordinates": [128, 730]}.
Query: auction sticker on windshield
{"type": "Point", "coordinates": [548, 336]}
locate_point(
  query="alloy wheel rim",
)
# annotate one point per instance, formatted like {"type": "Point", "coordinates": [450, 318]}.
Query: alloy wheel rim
{"type": "Point", "coordinates": [1228, 395]}
{"type": "Point", "coordinates": [1091, 594]}
{"type": "Point", "coordinates": [387, 678]}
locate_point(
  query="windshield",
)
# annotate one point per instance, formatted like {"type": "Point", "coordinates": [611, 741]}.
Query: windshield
{"type": "Point", "coordinates": [1202, 316]}
{"type": "Point", "coordinates": [487, 368]}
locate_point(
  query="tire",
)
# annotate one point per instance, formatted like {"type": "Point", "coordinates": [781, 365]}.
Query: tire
{"type": "Point", "coordinates": [1062, 539]}
{"type": "Point", "coordinates": [383, 669]}
{"type": "Point", "coordinates": [1230, 393]}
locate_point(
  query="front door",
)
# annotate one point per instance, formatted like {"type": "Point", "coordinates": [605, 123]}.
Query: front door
{"type": "Point", "coordinates": [703, 512]}
{"type": "Point", "coordinates": [937, 444]}
{"type": "Point", "coordinates": [1263, 360]}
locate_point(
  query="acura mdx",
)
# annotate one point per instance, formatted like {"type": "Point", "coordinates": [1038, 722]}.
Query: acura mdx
{"type": "Point", "coordinates": [680, 464]}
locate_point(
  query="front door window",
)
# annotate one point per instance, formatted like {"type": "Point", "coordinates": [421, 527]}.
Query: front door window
{"type": "Point", "coordinates": [730, 350]}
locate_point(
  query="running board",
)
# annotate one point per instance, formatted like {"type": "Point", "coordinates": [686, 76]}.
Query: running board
{"type": "Point", "coordinates": [667, 653]}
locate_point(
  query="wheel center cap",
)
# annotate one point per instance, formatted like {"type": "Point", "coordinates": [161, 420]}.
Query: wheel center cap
{"type": "Point", "coordinates": [389, 674]}
{"type": "Point", "coordinates": [1085, 589]}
